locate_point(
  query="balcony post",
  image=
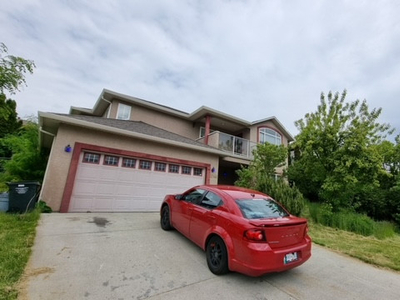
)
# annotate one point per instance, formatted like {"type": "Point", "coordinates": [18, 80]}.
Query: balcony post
{"type": "Point", "coordinates": [208, 126]}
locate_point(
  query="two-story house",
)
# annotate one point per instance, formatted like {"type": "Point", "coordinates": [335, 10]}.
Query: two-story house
{"type": "Point", "coordinates": [126, 154]}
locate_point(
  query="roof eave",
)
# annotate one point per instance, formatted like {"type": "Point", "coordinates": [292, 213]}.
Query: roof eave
{"type": "Point", "coordinates": [280, 126]}
{"type": "Point", "coordinates": [62, 119]}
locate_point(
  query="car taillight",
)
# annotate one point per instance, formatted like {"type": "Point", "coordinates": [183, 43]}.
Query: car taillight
{"type": "Point", "coordinates": [256, 235]}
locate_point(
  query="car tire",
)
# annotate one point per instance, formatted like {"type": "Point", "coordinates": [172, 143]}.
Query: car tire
{"type": "Point", "coordinates": [217, 256]}
{"type": "Point", "coordinates": [165, 220]}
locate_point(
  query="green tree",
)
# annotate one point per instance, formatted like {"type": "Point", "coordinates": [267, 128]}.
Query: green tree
{"type": "Point", "coordinates": [12, 71]}
{"type": "Point", "coordinates": [260, 175]}
{"type": "Point", "coordinates": [9, 121]}
{"type": "Point", "coordinates": [12, 77]}
{"type": "Point", "coordinates": [335, 158]}
{"type": "Point", "coordinates": [267, 158]}
{"type": "Point", "coordinates": [27, 161]}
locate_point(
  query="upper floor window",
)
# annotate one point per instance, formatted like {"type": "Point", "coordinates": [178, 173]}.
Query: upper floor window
{"type": "Point", "coordinates": [268, 135]}
{"type": "Point", "coordinates": [203, 132]}
{"type": "Point", "coordinates": [124, 112]}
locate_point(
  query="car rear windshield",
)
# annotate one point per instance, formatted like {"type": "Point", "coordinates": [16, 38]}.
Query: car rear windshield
{"type": "Point", "coordinates": [261, 209]}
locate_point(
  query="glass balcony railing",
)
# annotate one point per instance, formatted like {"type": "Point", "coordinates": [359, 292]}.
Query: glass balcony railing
{"type": "Point", "coordinates": [230, 143]}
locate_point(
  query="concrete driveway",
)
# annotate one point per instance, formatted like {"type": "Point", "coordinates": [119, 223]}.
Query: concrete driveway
{"type": "Point", "coordinates": [128, 256]}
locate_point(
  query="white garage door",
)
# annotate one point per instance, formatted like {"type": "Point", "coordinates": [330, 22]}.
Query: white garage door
{"type": "Point", "coordinates": [112, 183]}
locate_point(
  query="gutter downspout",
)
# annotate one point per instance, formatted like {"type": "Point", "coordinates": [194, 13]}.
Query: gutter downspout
{"type": "Point", "coordinates": [49, 159]}
{"type": "Point", "coordinates": [108, 110]}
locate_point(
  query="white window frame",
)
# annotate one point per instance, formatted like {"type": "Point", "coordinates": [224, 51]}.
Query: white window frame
{"type": "Point", "coordinates": [202, 132]}
{"type": "Point", "coordinates": [269, 135]}
{"type": "Point", "coordinates": [124, 112]}
{"type": "Point", "coordinates": [110, 160]}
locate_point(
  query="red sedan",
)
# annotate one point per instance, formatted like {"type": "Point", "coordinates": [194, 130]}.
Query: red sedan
{"type": "Point", "coordinates": [240, 230]}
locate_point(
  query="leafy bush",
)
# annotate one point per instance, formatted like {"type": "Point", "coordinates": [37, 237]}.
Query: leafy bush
{"type": "Point", "coordinates": [43, 207]}
{"type": "Point", "coordinates": [289, 197]}
{"type": "Point", "coordinates": [384, 230]}
{"type": "Point", "coordinates": [350, 221]}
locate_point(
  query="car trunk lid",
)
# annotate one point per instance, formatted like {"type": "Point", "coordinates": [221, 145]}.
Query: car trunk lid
{"type": "Point", "coordinates": [282, 232]}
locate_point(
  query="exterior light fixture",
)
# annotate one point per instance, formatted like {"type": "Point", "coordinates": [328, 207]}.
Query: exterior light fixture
{"type": "Point", "coordinates": [68, 148]}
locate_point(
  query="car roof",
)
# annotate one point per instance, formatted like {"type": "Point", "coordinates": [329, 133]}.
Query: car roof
{"type": "Point", "coordinates": [234, 191]}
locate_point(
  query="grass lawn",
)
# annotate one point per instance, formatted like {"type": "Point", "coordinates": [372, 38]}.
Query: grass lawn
{"type": "Point", "coordinates": [17, 233]}
{"type": "Point", "coordinates": [383, 253]}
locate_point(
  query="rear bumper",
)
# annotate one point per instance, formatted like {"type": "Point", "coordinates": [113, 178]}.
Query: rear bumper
{"type": "Point", "coordinates": [259, 259]}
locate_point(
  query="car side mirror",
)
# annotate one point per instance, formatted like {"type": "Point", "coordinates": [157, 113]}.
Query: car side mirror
{"type": "Point", "coordinates": [179, 197]}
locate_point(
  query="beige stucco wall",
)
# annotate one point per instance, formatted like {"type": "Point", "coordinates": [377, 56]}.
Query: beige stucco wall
{"type": "Point", "coordinates": [158, 119]}
{"type": "Point", "coordinates": [254, 132]}
{"type": "Point", "coordinates": [59, 162]}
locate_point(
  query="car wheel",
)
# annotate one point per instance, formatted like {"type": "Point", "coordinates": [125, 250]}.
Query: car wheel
{"type": "Point", "coordinates": [165, 220]}
{"type": "Point", "coordinates": [217, 256]}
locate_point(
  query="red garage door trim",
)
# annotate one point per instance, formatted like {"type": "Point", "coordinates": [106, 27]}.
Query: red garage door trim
{"type": "Point", "coordinates": [79, 147]}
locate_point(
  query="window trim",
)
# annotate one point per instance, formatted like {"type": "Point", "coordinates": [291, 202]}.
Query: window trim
{"type": "Point", "coordinates": [174, 165]}
{"type": "Point", "coordinates": [130, 167]}
{"type": "Point", "coordinates": [111, 156]}
{"type": "Point", "coordinates": [197, 169]}
{"type": "Point", "coordinates": [145, 161]}
{"type": "Point", "coordinates": [156, 163]}
{"type": "Point", "coordinates": [203, 130]}
{"type": "Point", "coordinates": [276, 131]}
{"type": "Point", "coordinates": [121, 110]}
{"type": "Point", "coordinates": [185, 167]}
{"type": "Point", "coordinates": [91, 162]}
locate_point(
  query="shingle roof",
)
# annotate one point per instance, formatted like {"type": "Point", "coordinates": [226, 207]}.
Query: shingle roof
{"type": "Point", "coordinates": [137, 126]}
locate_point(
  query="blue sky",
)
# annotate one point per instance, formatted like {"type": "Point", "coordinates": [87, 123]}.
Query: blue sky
{"type": "Point", "coordinates": [251, 59]}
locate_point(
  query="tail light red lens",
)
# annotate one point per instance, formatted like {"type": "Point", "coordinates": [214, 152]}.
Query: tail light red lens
{"type": "Point", "coordinates": [255, 235]}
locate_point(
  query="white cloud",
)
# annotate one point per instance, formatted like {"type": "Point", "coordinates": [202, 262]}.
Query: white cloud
{"type": "Point", "coordinates": [251, 59]}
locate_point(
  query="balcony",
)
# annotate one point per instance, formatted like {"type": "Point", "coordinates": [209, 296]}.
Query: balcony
{"type": "Point", "coordinates": [231, 144]}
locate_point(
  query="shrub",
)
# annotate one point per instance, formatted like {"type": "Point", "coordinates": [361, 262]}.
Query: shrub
{"type": "Point", "coordinates": [384, 230]}
{"type": "Point", "coordinates": [43, 207]}
{"type": "Point", "coordinates": [290, 197]}
{"type": "Point", "coordinates": [350, 221]}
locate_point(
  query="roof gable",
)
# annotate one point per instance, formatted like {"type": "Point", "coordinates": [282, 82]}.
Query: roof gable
{"type": "Point", "coordinates": [107, 96]}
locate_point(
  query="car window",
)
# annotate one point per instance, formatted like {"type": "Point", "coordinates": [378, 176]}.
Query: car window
{"type": "Point", "coordinates": [211, 201]}
{"type": "Point", "coordinates": [261, 209]}
{"type": "Point", "coordinates": [194, 196]}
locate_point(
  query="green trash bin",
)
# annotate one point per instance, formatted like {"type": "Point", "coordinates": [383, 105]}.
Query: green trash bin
{"type": "Point", "coordinates": [23, 196]}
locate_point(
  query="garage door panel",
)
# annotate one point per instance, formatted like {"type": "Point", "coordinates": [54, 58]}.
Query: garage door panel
{"type": "Point", "coordinates": [82, 203]}
{"type": "Point", "coordinates": [122, 204]}
{"type": "Point", "coordinates": [103, 203]}
{"type": "Point", "coordinates": [124, 189]}
{"type": "Point", "coordinates": [88, 171]}
{"type": "Point", "coordinates": [85, 187]}
{"type": "Point", "coordinates": [127, 175]}
{"type": "Point", "coordinates": [106, 188]}
{"type": "Point", "coordinates": [109, 173]}
{"type": "Point", "coordinates": [115, 188]}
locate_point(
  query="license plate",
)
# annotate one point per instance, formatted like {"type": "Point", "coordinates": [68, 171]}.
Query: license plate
{"type": "Point", "coordinates": [290, 257]}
